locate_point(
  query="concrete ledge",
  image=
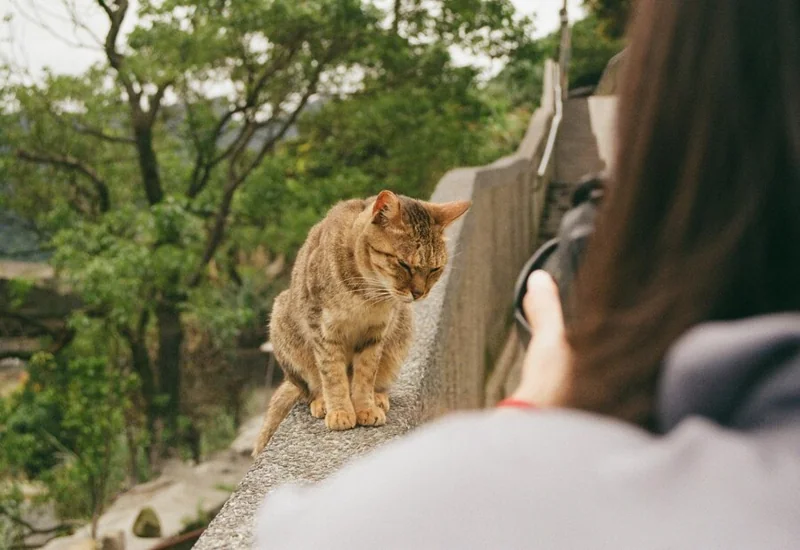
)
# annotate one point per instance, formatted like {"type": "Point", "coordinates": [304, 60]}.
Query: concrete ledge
{"type": "Point", "coordinates": [459, 330]}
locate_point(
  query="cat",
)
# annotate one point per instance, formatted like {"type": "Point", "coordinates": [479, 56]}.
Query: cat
{"type": "Point", "coordinates": [343, 327]}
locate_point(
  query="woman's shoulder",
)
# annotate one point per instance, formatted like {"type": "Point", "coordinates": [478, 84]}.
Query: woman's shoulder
{"type": "Point", "coordinates": [567, 479]}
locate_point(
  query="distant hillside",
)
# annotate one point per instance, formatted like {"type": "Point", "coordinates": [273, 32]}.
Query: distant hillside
{"type": "Point", "coordinates": [17, 241]}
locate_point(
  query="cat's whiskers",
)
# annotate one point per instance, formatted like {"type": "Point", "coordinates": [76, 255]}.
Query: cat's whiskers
{"type": "Point", "coordinates": [370, 281]}
{"type": "Point", "coordinates": [372, 289]}
{"type": "Point", "coordinates": [378, 295]}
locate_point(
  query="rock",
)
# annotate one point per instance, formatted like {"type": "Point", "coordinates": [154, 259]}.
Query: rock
{"type": "Point", "coordinates": [147, 524]}
{"type": "Point", "coordinates": [114, 541]}
{"type": "Point", "coordinates": [83, 544]}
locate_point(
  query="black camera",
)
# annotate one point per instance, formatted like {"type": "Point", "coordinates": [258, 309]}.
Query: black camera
{"type": "Point", "coordinates": [561, 257]}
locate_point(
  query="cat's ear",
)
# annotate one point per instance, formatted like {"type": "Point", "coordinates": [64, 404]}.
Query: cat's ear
{"type": "Point", "coordinates": [386, 208]}
{"type": "Point", "coordinates": [446, 213]}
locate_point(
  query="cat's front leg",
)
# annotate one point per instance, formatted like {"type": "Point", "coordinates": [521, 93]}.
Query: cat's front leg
{"type": "Point", "coordinates": [339, 412]}
{"type": "Point", "coordinates": [365, 368]}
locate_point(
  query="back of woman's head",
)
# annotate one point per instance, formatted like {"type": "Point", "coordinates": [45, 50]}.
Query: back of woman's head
{"type": "Point", "coordinates": [702, 218]}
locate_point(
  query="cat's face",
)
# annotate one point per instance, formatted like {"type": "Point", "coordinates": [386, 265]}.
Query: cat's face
{"type": "Point", "coordinates": [405, 243]}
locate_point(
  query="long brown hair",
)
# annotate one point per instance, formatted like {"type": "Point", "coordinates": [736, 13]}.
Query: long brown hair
{"type": "Point", "coordinates": [702, 216]}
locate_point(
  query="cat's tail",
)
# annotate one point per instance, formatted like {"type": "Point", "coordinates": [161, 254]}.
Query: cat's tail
{"type": "Point", "coordinates": [282, 401]}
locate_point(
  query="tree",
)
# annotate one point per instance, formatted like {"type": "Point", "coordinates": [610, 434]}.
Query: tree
{"type": "Point", "coordinates": [613, 15]}
{"type": "Point", "coordinates": [146, 210]}
{"type": "Point", "coordinates": [64, 429]}
{"type": "Point", "coordinates": [160, 168]}
{"type": "Point", "coordinates": [591, 51]}
{"type": "Point", "coordinates": [520, 80]}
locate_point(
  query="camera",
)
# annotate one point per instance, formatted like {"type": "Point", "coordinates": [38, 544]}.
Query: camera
{"type": "Point", "coordinates": [561, 256]}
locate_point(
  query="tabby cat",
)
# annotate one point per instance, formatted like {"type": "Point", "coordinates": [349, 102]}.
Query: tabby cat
{"type": "Point", "coordinates": [343, 327]}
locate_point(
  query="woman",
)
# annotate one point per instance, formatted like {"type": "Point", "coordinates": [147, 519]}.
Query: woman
{"type": "Point", "coordinates": [669, 415]}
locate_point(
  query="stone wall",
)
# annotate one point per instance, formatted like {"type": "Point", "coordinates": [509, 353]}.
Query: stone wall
{"type": "Point", "coordinates": [459, 329]}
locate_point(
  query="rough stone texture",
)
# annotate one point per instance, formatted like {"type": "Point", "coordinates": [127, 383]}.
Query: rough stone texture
{"type": "Point", "coordinates": [459, 330]}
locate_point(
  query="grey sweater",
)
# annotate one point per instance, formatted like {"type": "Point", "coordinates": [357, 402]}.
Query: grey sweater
{"type": "Point", "coordinates": [725, 475]}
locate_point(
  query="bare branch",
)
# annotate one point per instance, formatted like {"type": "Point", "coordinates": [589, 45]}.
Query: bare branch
{"type": "Point", "coordinates": [34, 323]}
{"type": "Point", "coordinates": [201, 173]}
{"type": "Point", "coordinates": [236, 178]}
{"type": "Point", "coordinates": [87, 130]}
{"type": "Point", "coordinates": [94, 132]}
{"type": "Point", "coordinates": [157, 98]}
{"type": "Point", "coordinates": [57, 530]}
{"type": "Point", "coordinates": [141, 120]}
{"type": "Point", "coordinates": [37, 19]}
{"type": "Point", "coordinates": [115, 59]}
{"type": "Point", "coordinates": [103, 4]}
{"type": "Point", "coordinates": [72, 10]}
{"type": "Point", "coordinates": [270, 143]}
{"type": "Point", "coordinates": [203, 166]}
{"type": "Point", "coordinates": [71, 163]}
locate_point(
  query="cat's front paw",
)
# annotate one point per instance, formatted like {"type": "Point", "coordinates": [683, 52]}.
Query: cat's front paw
{"type": "Point", "coordinates": [371, 416]}
{"type": "Point", "coordinates": [382, 400]}
{"type": "Point", "coordinates": [317, 407]}
{"type": "Point", "coordinates": [340, 419]}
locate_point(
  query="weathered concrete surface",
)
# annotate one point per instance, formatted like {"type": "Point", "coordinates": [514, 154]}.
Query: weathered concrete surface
{"type": "Point", "coordinates": [610, 80]}
{"type": "Point", "coordinates": [576, 149]}
{"type": "Point", "coordinates": [459, 330]}
{"type": "Point", "coordinates": [603, 120]}
{"type": "Point", "coordinates": [25, 270]}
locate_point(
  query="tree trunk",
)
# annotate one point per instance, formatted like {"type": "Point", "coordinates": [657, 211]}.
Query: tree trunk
{"type": "Point", "coordinates": [133, 452]}
{"type": "Point", "coordinates": [142, 367]}
{"type": "Point", "coordinates": [170, 339]}
{"type": "Point", "coordinates": [93, 501]}
{"type": "Point", "coordinates": [148, 162]}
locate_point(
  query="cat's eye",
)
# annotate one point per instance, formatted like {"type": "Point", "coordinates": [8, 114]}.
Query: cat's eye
{"type": "Point", "coordinates": [404, 266]}
{"type": "Point", "coordinates": [436, 269]}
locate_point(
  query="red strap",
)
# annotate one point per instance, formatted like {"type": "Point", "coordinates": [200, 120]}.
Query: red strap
{"type": "Point", "coordinates": [516, 403]}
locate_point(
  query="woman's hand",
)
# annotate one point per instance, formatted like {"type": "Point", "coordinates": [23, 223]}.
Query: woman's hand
{"type": "Point", "coordinates": [547, 366]}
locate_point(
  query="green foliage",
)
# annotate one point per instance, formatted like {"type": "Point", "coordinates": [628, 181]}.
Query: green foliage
{"type": "Point", "coordinates": [18, 290]}
{"type": "Point", "coordinates": [520, 81]}
{"type": "Point", "coordinates": [217, 434]}
{"type": "Point", "coordinates": [11, 506]}
{"type": "Point", "coordinates": [63, 429]}
{"type": "Point", "coordinates": [276, 111]}
{"type": "Point", "coordinates": [591, 51]}
{"type": "Point", "coordinates": [612, 15]}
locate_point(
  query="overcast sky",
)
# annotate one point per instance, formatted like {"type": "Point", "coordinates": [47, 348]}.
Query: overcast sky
{"type": "Point", "coordinates": [35, 47]}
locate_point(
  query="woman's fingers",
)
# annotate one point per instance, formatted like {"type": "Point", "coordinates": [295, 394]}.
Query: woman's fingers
{"type": "Point", "coordinates": [542, 305]}
{"type": "Point", "coordinates": [546, 367]}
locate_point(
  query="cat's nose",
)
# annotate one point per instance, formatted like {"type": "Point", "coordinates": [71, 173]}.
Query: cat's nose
{"type": "Point", "coordinates": [416, 293]}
